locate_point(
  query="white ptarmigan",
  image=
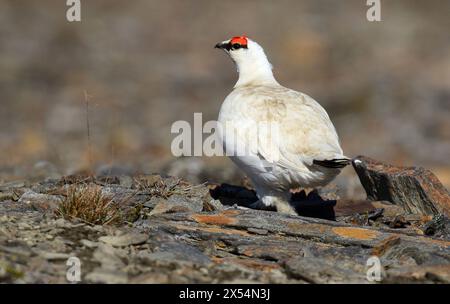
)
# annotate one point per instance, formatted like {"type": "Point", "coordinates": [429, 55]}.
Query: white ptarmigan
{"type": "Point", "coordinates": [287, 137]}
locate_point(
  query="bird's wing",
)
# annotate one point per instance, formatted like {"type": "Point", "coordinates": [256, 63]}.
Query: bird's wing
{"type": "Point", "coordinates": [293, 129]}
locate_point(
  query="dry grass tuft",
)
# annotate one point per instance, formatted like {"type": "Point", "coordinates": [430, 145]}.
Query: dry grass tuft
{"type": "Point", "coordinates": [88, 204]}
{"type": "Point", "coordinates": [156, 186]}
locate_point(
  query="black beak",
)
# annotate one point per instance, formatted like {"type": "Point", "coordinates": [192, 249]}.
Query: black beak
{"type": "Point", "coordinates": [223, 46]}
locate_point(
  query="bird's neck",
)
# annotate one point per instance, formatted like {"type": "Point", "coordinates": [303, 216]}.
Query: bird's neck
{"type": "Point", "coordinates": [255, 72]}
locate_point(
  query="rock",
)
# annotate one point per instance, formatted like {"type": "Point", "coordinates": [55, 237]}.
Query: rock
{"type": "Point", "coordinates": [348, 207]}
{"type": "Point", "coordinates": [16, 250]}
{"type": "Point", "coordinates": [176, 252]}
{"type": "Point", "coordinates": [109, 257]}
{"type": "Point", "coordinates": [150, 204]}
{"type": "Point", "coordinates": [177, 203]}
{"type": "Point", "coordinates": [125, 239]}
{"type": "Point", "coordinates": [40, 201]}
{"type": "Point", "coordinates": [107, 277]}
{"type": "Point", "coordinates": [318, 271]}
{"type": "Point", "coordinates": [151, 278]}
{"type": "Point", "coordinates": [423, 274]}
{"type": "Point", "coordinates": [162, 207]}
{"type": "Point", "coordinates": [24, 226]}
{"type": "Point", "coordinates": [398, 222]}
{"type": "Point", "coordinates": [330, 232]}
{"type": "Point", "coordinates": [52, 256]}
{"type": "Point", "coordinates": [435, 225]}
{"type": "Point", "coordinates": [415, 189]}
{"type": "Point", "coordinates": [192, 204]}
{"type": "Point", "coordinates": [194, 240]}
{"type": "Point", "coordinates": [212, 205]}
{"type": "Point", "coordinates": [89, 244]}
{"type": "Point", "coordinates": [258, 231]}
{"type": "Point", "coordinates": [97, 228]}
{"type": "Point", "coordinates": [389, 209]}
{"type": "Point", "coordinates": [62, 223]}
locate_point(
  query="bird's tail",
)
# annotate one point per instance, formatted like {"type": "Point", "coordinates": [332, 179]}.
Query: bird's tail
{"type": "Point", "coordinates": [335, 163]}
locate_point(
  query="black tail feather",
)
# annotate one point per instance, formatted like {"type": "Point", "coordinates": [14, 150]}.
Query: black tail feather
{"type": "Point", "coordinates": [336, 163]}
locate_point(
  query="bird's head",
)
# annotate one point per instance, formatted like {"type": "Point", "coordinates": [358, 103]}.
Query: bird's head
{"type": "Point", "coordinates": [250, 59]}
{"type": "Point", "coordinates": [241, 48]}
{"type": "Point", "coordinates": [234, 44]}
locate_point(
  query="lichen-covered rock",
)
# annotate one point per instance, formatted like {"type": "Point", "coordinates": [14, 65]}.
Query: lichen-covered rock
{"type": "Point", "coordinates": [197, 239]}
{"type": "Point", "coordinates": [416, 189]}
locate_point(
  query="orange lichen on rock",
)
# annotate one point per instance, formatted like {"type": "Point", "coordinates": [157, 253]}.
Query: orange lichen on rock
{"type": "Point", "coordinates": [356, 233]}
{"type": "Point", "coordinates": [216, 219]}
{"type": "Point", "coordinates": [214, 230]}
{"type": "Point", "coordinates": [380, 248]}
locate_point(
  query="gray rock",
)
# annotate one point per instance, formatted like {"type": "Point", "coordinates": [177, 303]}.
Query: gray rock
{"type": "Point", "coordinates": [258, 231]}
{"type": "Point", "coordinates": [152, 202]}
{"type": "Point", "coordinates": [109, 257]}
{"type": "Point", "coordinates": [107, 276]}
{"type": "Point", "coordinates": [62, 223]}
{"type": "Point", "coordinates": [16, 250]}
{"type": "Point", "coordinates": [89, 244]}
{"type": "Point", "coordinates": [40, 201]}
{"type": "Point", "coordinates": [176, 252]}
{"type": "Point", "coordinates": [189, 243]}
{"type": "Point", "coordinates": [192, 204]}
{"type": "Point", "coordinates": [53, 256]}
{"type": "Point", "coordinates": [213, 205]}
{"type": "Point", "coordinates": [177, 203]}
{"type": "Point", "coordinates": [162, 207]}
{"type": "Point", "coordinates": [416, 189]}
{"type": "Point", "coordinates": [97, 228]}
{"type": "Point", "coordinates": [125, 239]}
{"type": "Point", "coordinates": [314, 270]}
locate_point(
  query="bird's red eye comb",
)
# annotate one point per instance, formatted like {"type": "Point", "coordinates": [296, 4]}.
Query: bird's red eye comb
{"type": "Point", "coordinates": [242, 40]}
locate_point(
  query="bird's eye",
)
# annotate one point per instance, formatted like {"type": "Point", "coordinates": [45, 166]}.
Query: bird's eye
{"type": "Point", "coordinates": [236, 46]}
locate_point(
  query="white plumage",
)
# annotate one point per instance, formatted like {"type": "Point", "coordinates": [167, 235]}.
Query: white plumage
{"type": "Point", "coordinates": [288, 138]}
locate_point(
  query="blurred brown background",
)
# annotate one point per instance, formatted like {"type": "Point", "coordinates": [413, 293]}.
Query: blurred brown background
{"type": "Point", "coordinates": [146, 64]}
